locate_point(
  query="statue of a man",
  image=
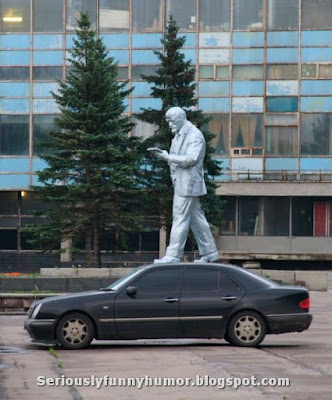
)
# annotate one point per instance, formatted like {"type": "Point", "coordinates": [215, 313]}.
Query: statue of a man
{"type": "Point", "coordinates": [185, 159]}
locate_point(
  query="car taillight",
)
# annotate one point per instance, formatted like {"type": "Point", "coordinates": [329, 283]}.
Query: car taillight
{"type": "Point", "coordinates": [305, 303]}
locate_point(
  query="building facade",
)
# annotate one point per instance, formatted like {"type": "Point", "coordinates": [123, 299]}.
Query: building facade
{"type": "Point", "coordinates": [264, 76]}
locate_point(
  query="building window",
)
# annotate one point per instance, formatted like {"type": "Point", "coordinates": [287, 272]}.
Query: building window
{"type": "Point", "coordinates": [283, 14]}
{"type": "Point", "coordinates": [322, 218]}
{"type": "Point", "coordinates": [310, 71]}
{"type": "Point", "coordinates": [228, 228]}
{"type": "Point", "coordinates": [325, 71]}
{"type": "Point", "coordinates": [214, 15]}
{"type": "Point", "coordinates": [47, 16]}
{"type": "Point", "coordinates": [282, 104]}
{"type": "Point", "coordinates": [47, 73]}
{"type": "Point", "coordinates": [217, 72]}
{"type": "Point", "coordinates": [8, 203]}
{"type": "Point", "coordinates": [138, 70]}
{"type": "Point", "coordinates": [248, 14]}
{"type": "Point", "coordinates": [248, 72]}
{"type": "Point", "coordinates": [75, 8]}
{"type": "Point", "coordinates": [14, 135]}
{"type": "Point", "coordinates": [114, 16]}
{"type": "Point", "coordinates": [248, 216]}
{"type": "Point", "coordinates": [282, 71]}
{"type": "Point", "coordinates": [14, 73]}
{"type": "Point", "coordinates": [143, 129]}
{"type": "Point", "coordinates": [316, 14]}
{"type": "Point", "coordinates": [15, 15]}
{"type": "Point", "coordinates": [218, 125]}
{"type": "Point", "coordinates": [184, 13]}
{"type": "Point", "coordinates": [302, 217]}
{"type": "Point", "coordinates": [316, 134]}
{"type": "Point", "coordinates": [281, 141]}
{"type": "Point", "coordinates": [247, 130]}
{"type": "Point", "coordinates": [8, 239]}
{"type": "Point", "coordinates": [42, 124]}
{"type": "Point", "coordinates": [147, 15]}
{"type": "Point", "coordinates": [276, 213]}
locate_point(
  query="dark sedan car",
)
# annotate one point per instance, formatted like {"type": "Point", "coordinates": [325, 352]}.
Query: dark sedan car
{"type": "Point", "coordinates": [182, 300]}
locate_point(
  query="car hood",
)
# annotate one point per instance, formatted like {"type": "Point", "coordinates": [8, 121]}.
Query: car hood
{"type": "Point", "coordinates": [74, 296]}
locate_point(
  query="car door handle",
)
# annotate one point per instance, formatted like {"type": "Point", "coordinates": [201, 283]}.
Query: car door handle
{"type": "Point", "coordinates": [229, 298]}
{"type": "Point", "coordinates": [171, 300]}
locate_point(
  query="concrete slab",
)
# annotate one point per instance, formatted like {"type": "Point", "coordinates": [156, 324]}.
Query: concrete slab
{"type": "Point", "coordinates": [313, 280]}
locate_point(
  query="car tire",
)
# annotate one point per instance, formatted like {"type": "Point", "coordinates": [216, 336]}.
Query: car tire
{"type": "Point", "coordinates": [75, 331]}
{"type": "Point", "coordinates": [246, 329]}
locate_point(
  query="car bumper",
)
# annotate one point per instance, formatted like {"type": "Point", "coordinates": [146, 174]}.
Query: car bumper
{"type": "Point", "coordinates": [40, 329]}
{"type": "Point", "coordinates": [282, 323]}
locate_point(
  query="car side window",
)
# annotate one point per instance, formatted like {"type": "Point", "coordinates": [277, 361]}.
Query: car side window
{"type": "Point", "coordinates": [161, 281]}
{"type": "Point", "coordinates": [226, 283]}
{"type": "Point", "coordinates": [200, 280]}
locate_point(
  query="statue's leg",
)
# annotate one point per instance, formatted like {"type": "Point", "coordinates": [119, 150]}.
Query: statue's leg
{"type": "Point", "coordinates": [202, 230]}
{"type": "Point", "coordinates": [182, 210]}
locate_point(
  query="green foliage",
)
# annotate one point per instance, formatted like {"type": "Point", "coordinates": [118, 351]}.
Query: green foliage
{"type": "Point", "coordinates": [174, 84]}
{"type": "Point", "coordinates": [91, 179]}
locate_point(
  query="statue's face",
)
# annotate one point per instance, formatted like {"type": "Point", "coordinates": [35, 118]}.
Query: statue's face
{"type": "Point", "coordinates": [175, 122]}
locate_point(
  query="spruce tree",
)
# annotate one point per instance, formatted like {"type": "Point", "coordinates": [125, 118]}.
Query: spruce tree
{"type": "Point", "coordinates": [89, 183]}
{"type": "Point", "coordinates": [174, 84]}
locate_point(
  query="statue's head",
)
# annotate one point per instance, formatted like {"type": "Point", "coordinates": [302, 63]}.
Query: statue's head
{"type": "Point", "coordinates": [176, 118]}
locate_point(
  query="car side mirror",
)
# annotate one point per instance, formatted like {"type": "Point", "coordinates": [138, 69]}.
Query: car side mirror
{"type": "Point", "coordinates": [131, 291]}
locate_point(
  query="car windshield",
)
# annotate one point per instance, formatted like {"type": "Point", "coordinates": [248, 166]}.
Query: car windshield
{"type": "Point", "coordinates": [123, 280]}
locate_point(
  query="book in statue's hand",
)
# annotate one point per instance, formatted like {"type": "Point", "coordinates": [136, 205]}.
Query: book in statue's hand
{"type": "Point", "coordinates": [155, 149]}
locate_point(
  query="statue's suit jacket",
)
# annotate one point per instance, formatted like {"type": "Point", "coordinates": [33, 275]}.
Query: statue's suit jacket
{"type": "Point", "coordinates": [186, 161]}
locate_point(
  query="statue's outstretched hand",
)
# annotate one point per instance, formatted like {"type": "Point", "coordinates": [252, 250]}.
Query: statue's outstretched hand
{"type": "Point", "coordinates": [162, 154]}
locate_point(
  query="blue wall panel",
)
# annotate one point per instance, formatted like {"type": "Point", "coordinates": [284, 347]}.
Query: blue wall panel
{"type": "Point", "coordinates": [214, 56]}
{"type": "Point", "coordinates": [48, 57]}
{"type": "Point", "coordinates": [285, 39]}
{"type": "Point", "coordinates": [248, 104]}
{"type": "Point", "coordinates": [14, 165]}
{"type": "Point", "coordinates": [18, 182]}
{"type": "Point", "coordinates": [282, 88]}
{"type": "Point", "coordinates": [14, 57]}
{"type": "Point", "coordinates": [144, 40]}
{"type": "Point", "coordinates": [142, 89]}
{"type": "Point", "coordinates": [190, 40]}
{"type": "Point", "coordinates": [211, 89]}
{"type": "Point", "coordinates": [248, 88]}
{"type": "Point", "coordinates": [14, 89]}
{"type": "Point", "coordinates": [224, 165]}
{"type": "Point", "coordinates": [316, 104]}
{"type": "Point", "coordinates": [45, 106]}
{"type": "Point", "coordinates": [70, 41]}
{"type": "Point", "coordinates": [214, 104]}
{"type": "Point", "coordinates": [38, 164]}
{"type": "Point", "coordinates": [214, 39]}
{"type": "Point", "coordinates": [44, 89]}
{"type": "Point", "coordinates": [145, 103]}
{"type": "Point", "coordinates": [248, 39]}
{"type": "Point", "coordinates": [120, 56]}
{"type": "Point", "coordinates": [317, 38]}
{"type": "Point", "coordinates": [314, 54]}
{"type": "Point", "coordinates": [14, 41]}
{"type": "Point", "coordinates": [14, 106]}
{"type": "Point", "coordinates": [282, 55]}
{"type": "Point", "coordinates": [314, 164]}
{"type": "Point", "coordinates": [316, 87]}
{"type": "Point", "coordinates": [282, 104]}
{"type": "Point", "coordinates": [144, 57]}
{"type": "Point", "coordinates": [115, 41]}
{"type": "Point", "coordinates": [279, 164]}
{"type": "Point", "coordinates": [190, 55]}
{"type": "Point", "coordinates": [248, 56]}
{"type": "Point", "coordinates": [47, 41]}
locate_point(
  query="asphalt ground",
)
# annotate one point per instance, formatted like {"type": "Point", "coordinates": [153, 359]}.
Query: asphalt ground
{"type": "Point", "coordinates": [304, 358]}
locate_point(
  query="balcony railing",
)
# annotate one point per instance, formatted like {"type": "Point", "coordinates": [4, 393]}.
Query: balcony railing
{"type": "Point", "coordinates": [279, 176]}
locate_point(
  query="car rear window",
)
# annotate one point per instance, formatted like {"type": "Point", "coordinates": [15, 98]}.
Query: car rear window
{"type": "Point", "coordinates": [248, 279]}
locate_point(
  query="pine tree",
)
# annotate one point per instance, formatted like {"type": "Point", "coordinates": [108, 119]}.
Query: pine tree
{"type": "Point", "coordinates": [90, 181]}
{"type": "Point", "coordinates": [174, 84]}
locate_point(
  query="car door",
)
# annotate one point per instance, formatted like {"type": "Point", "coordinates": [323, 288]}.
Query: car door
{"type": "Point", "coordinates": [153, 312]}
{"type": "Point", "coordinates": [207, 296]}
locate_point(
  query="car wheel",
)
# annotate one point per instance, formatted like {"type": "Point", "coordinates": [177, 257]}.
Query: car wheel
{"type": "Point", "coordinates": [246, 328]}
{"type": "Point", "coordinates": [75, 331]}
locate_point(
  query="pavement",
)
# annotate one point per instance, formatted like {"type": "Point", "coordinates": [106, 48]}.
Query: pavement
{"type": "Point", "coordinates": [305, 358]}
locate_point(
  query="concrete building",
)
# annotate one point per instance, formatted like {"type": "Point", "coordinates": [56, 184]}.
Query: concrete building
{"type": "Point", "coordinates": [264, 75]}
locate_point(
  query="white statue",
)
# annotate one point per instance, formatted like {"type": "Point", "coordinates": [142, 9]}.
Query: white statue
{"type": "Point", "coordinates": [185, 159]}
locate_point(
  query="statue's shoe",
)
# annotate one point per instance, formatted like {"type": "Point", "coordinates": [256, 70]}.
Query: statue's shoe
{"type": "Point", "coordinates": [167, 259]}
{"type": "Point", "coordinates": [209, 257]}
